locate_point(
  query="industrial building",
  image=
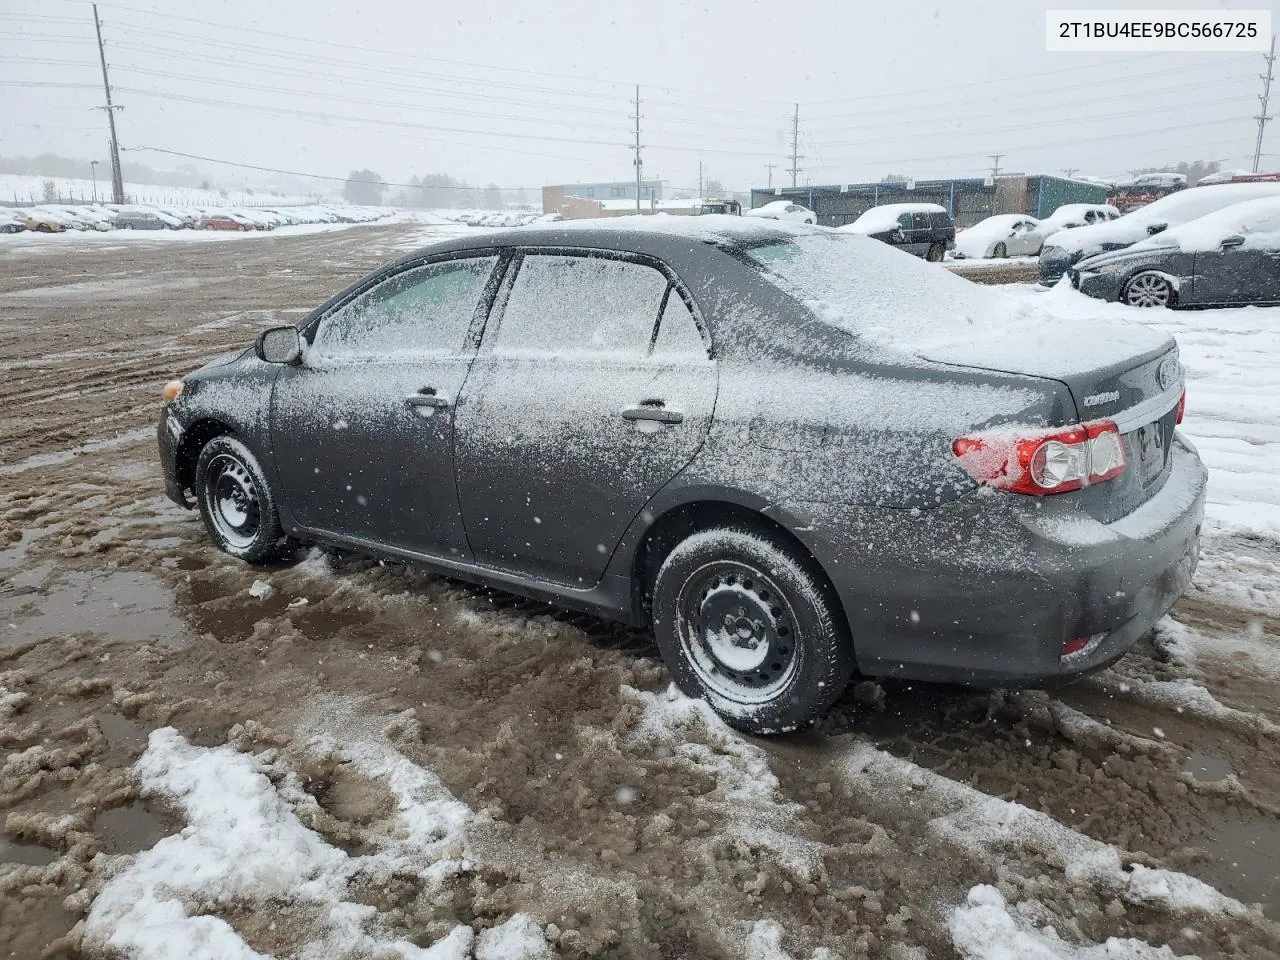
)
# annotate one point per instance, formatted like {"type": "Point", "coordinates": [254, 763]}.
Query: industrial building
{"type": "Point", "coordinates": [968, 200]}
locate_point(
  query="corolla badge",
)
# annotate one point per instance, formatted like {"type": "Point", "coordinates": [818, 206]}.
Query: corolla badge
{"type": "Point", "coordinates": [1168, 373]}
{"type": "Point", "coordinates": [1098, 399]}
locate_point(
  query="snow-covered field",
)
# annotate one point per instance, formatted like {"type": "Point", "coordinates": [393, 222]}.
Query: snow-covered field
{"type": "Point", "coordinates": [344, 759]}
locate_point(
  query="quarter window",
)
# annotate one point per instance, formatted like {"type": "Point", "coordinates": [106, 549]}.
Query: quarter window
{"type": "Point", "coordinates": [424, 310]}
{"type": "Point", "coordinates": [678, 337]}
{"type": "Point", "coordinates": [563, 305]}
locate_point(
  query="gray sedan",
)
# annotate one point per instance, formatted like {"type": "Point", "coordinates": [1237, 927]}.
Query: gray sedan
{"type": "Point", "coordinates": [1228, 258]}
{"type": "Point", "coordinates": [792, 453]}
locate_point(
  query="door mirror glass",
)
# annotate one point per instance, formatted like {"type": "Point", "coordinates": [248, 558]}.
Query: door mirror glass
{"type": "Point", "coordinates": [279, 345]}
{"type": "Point", "coordinates": [1231, 242]}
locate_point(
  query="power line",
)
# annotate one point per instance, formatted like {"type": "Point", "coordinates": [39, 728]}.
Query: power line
{"type": "Point", "coordinates": [296, 173]}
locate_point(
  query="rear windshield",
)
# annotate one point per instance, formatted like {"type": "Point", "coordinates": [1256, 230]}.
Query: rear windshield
{"type": "Point", "coordinates": [871, 289]}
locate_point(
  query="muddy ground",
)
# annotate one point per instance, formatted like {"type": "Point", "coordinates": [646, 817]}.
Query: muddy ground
{"type": "Point", "coordinates": [626, 823]}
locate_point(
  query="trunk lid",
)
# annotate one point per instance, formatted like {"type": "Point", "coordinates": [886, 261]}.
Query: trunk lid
{"type": "Point", "coordinates": [1107, 380]}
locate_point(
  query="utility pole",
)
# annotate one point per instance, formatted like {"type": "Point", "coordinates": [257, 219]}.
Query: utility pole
{"type": "Point", "coordinates": [93, 172]}
{"type": "Point", "coordinates": [1070, 171]}
{"type": "Point", "coordinates": [117, 179]}
{"type": "Point", "coordinates": [769, 167]}
{"type": "Point", "coordinates": [1262, 117]}
{"type": "Point", "coordinates": [699, 179]}
{"type": "Point", "coordinates": [795, 144]}
{"type": "Point", "coordinates": [636, 148]}
{"type": "Point", "coordinates": [995, 164]}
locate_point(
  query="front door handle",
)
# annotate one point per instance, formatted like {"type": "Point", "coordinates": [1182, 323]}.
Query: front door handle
{"type": "Point", "coordinates": [653, 411]}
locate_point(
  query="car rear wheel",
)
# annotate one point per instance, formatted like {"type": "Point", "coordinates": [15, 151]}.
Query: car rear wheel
{"type": "Point", "coordinates": [749, 624]}
{"type": "Point", "coordinates": [999, 251]}
{"type": "Point", "coordinates": [1148, 290]}
{"type": "Point", "coordinates": [936, 253]}
{"type": "Point", "coordinates": [236, 504]}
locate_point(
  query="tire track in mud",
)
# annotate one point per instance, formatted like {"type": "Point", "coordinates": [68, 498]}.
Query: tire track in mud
{"type": "Point", "coordinates": [627, 821]}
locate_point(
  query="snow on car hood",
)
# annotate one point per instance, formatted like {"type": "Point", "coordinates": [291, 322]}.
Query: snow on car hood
{"type": "Point", "coordinates": [907, 306]}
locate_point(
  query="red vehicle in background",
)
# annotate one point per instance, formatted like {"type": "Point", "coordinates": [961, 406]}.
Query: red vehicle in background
{"type": "Point", "coordinates": [222, 221]}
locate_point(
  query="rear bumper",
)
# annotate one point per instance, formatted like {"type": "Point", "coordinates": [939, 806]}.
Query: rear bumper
{"type": "Point", "coordinates": [1055, 265]}
{"type": "Point", "coordinates": [987, 590]}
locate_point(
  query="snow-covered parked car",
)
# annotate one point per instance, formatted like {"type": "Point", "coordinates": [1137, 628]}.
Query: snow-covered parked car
{"type": "Point", "coordinates": [1063, 250]}
{"type": "Point", "coordinates": [1071, 215]}
{"type": "Point", "coordinates": [923, 229]}
{"type": "Point", "coordinates": [1227, 258]}
{"type": "Point", "coordinates": [791, 452]}
{"type": "Point", "coordinates": [784, 210]}
{"type": "Point", "coordinates": [1004, 235]}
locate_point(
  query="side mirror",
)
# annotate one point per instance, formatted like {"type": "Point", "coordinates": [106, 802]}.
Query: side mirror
{"type": "Point", "coordinates": [278, 345]}
{"type": "Point", "coordinates": [1156, 228]}
{"type": "Point", "coordinates": [1231, 242]}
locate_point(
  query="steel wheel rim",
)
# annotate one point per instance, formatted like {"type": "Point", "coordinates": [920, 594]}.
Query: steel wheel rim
{"type": "Point", "coordinates": [1148, 290]}
{"type": "Point", "coordinates": [737, 631]}
{"type": "Point", "coordinates": [232, 498]}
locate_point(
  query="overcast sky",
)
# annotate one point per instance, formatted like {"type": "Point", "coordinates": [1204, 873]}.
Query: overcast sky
{"type": "Point", "coordinates": [528, 94]}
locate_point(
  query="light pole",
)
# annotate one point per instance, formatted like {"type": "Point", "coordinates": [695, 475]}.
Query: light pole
{"type": "Point", "coordinates": [93, 172]}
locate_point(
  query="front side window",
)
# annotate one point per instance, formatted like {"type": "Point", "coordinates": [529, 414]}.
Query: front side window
{"type": "Point", "coordinates": [573, 304]}
{"type": "Point", "coordinates": [426, 310]}
{"type": "Point", "coordinates": [920, 221]}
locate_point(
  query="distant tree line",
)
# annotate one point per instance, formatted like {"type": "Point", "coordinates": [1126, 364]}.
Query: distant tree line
{"type": "Point", "coordinates": [435, 191]}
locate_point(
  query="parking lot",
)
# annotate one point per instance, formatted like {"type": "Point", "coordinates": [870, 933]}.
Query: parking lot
{"type": "Point", "coordinates": [469, 761]}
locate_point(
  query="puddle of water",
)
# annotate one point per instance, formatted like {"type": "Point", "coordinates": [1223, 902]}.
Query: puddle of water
{"type": "Point", "coordinates": [130, 829]}
{"type": "Point", "coordinates": [1246, 861]}
{"type": "Point", "coordinates": [118, 604]}
{"type": "Point", "coordinates": [1207, 767]}
{"type": "Point", "coordinates": [123, 733]}
{"type": "Point", "coordinates": [30, 854]}
{"type": "Point", "coordinates": [13, 555]}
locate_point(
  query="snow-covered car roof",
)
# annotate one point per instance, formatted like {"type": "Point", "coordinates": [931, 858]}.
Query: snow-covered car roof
{"type": "Point", "coordinates": [885, 217]}
{"type": "Point", "coordinates": [997, 225]}
{"type": "Point", "coordinates": [1174, 209]}
{"type": "Point", "coordinates": [1257, 221]}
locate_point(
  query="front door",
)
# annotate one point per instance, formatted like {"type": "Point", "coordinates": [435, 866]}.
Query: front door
{"type": "Point", "coordinates": [591, 392]}
{"type": "Point", "coordinates": [363, 428]}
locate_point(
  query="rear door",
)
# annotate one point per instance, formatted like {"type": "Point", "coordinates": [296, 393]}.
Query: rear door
{"type": "Point", "coordinates": [362, 429]}
{"type": "Point", "coordinates": [920, 234]}
{"type": "Point", "coordinates": [593, 388]}
{"type": "Point", "coordinates": [1245, 273]}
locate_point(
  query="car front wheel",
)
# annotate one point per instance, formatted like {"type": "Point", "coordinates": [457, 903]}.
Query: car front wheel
{"type": "Point", "coordinates": [1000, 251]}
{"type": "Point", "coordinates": [1148, 290]}
{"type": "Point", "coordinates": [236, 503]}
{"type": "Point", "coordinates": [749, 624]}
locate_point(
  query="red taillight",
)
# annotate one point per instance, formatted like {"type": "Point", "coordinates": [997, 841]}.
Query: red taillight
{"type": "Point", "coordinates": [1044, 462]}
{"type": "Point", "coordinates": [1182, 405]}
{"type": "Point", "coordinates": [1074, 646]}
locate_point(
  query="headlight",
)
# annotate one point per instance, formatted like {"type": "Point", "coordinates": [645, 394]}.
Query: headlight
{"type": "Point", "coordinates": [172, 390]}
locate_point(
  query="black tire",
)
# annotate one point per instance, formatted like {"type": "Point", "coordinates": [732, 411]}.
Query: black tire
{"type": "Point", "coordinates": [936, 253]}
{"type": "Point", "coordinates": [782, 653]}
{"type": "Point", "coordinates": [999, 251]}
{"type": "Point", "coordinates": [44, 228]}
{"type": "Point", "coordinates": [236, 503]}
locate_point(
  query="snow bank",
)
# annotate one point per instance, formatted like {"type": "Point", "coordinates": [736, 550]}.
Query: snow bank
{"type": "Point", "coordinates": [984, 929]}
{"type": "Point", "coordinates": [245, 847]}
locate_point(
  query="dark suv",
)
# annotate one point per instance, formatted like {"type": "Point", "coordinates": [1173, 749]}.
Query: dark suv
{"type": "Point", "coordinates": [793, 453]}
{"type": "Point", "coordinates": [924, 229]}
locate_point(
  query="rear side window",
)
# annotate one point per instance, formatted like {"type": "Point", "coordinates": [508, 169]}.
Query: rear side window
{"type": "Point", "coordinates": [920, 221]}
{"type": "Point", "coordinates": [424, 310]}
{"type": "Point", "coordinates": [581, 305]}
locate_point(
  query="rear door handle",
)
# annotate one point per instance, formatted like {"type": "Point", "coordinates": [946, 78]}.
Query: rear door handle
{"type": "Point", "coordinates": [426, 401]}
{"type": "Point", "coordinates": [652, 410]}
